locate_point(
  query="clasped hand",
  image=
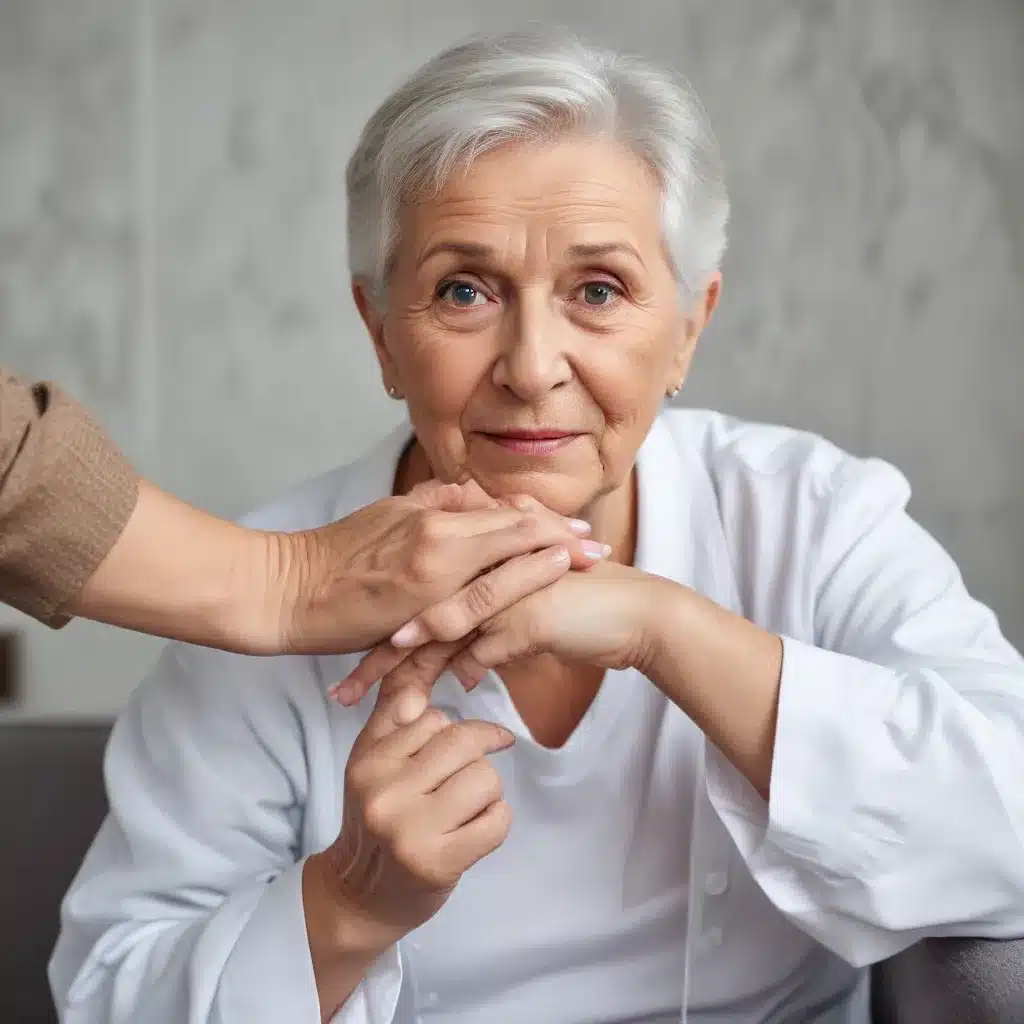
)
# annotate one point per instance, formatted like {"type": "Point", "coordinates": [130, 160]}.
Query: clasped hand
{"type": "Point", "coordinates": [602, 616]}
{"type": "Point", "coordinates": [423, 800]}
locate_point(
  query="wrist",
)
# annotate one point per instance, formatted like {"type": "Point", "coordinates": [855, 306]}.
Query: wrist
{"type": "Point", "coordinates": [180, 573]}
{"type": "Point", "coordinates": [252, 606]}
{"type": "Point", "coordinates": [664, 619]}
{"type": "Point", "coordinates": [341, 948]}
{"type": "Point", "coordinates": [339, 934]}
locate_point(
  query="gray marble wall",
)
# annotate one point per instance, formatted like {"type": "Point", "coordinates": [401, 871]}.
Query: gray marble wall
{"type": "Point", "coordinates": [171, 215]}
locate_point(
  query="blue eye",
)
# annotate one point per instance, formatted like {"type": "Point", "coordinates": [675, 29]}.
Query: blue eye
{"type": "Point", "coordinates": [597, 293]}
{"type": "Point", "coordinates": [459, 293]}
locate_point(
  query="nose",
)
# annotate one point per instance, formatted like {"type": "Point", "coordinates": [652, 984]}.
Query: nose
{"type": "Point", "coordinates": [533, 359]}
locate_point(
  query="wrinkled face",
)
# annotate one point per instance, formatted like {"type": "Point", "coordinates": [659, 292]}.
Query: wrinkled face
{"type": "Point", "coordinates": [533, 321]}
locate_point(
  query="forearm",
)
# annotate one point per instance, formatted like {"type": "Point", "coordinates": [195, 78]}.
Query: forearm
{"type": "Point", "coordinates": [340, 949]}
{"type": "Point", "coordinates": [180, 573]}
{"type": "Point", "coordinates": [724, 672]}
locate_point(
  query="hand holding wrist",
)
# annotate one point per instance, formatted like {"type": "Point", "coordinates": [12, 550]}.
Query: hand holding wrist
{"type": "Point", "coordinates": [346, 586]}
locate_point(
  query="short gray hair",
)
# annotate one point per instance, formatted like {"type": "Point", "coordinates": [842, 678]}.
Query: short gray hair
{"type": "Point", "coordinates": [527, 87]}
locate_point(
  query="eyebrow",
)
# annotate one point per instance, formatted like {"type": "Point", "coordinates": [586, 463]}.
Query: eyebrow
{"type": "Point", "coordinates": [598, 249]}
{"type": "Point", "coordinates": [472, 250]}
{"type": "Point", "coordinates": [585, 251]}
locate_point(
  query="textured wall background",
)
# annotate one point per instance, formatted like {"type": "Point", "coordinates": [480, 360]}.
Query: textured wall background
{"type": "Point", "coordinates": [171, 215]}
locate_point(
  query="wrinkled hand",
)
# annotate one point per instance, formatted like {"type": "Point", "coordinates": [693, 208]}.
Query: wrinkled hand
{"type": "Point", "coordinates": [422, 805]}
{"type": "Point", "coordinates": [602, 617]}
{"type": "Point", "coordinates": [348, 585]}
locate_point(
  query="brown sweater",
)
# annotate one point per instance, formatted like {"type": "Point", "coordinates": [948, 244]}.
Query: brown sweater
{"type": "Point", "coordinates": [66, 493]}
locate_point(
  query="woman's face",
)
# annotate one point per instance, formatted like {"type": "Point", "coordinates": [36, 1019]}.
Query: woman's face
{"type": "Point", "coordinates": [533, 321]}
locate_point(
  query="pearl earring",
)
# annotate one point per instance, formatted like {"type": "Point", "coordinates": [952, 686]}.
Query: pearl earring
{"type": "Point", "coordinates": [394, 393]}
{"type": "Point", "coordinates": [672, 392]}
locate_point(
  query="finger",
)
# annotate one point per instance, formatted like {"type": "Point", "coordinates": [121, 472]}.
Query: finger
{"type": "Point", "coordinates": [401, 744]}
{"type": "Point", "coordinates": [422, 668]}
{"type": "Point", "coordinates": [479, 837]}
{"type": "Point", "coordinates": [530, 533]}
{"type": "Point", "coordinates": [466, 497]}
{"type": "Point", "coordinates": [394, 711]}
{"type": "Point", "coordinates": [498, 646]}
{"type": "Point", "coordinates": [465, 795]}
{"type": "Point", "coordinates": [484, 597]}
{"type": "Point", "coordinates": [530, 505]}
{"type": "Point", "coordinates": [396, 669]}
{"type": "Point", "coordinates": [463, 525]}
{"type": "Point", "coordinates": [497, 515]}
{"type": "Point", "coordinates": [372, 666]}
{"type": "Point", "coordinates": [452, 749]}
{"type": "Point", "coordinates": [469, 672]}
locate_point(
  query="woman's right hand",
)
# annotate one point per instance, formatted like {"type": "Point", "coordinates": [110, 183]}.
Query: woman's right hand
{"type": "Point", "coordinates": [349, 585]}
{"type": "Point", "coordinates": [422, 805]}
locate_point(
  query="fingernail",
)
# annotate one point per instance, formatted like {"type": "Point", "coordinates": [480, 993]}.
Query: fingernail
{"type": "Point", "coordinates": [560, 554]}
{"type": "Point", "coordinates": [343, 692]}
{"type": "Point", "coordinates": [507, 736]}
{"type": "Point", "coordinates": [594, 549]}
{"type": "Point", "coordinates": [579, 526]}
{"type": "Point", "coordinates": [410, 635]}
{"type": "Point", "coordinates": [463, 678]}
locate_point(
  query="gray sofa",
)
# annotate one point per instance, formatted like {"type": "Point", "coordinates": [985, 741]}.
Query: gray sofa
{"type": "Point", "coordinates": [51, 802]}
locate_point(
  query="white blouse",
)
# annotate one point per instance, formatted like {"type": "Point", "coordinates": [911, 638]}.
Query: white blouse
{"type": "Point", "coordinates": [644, 879]}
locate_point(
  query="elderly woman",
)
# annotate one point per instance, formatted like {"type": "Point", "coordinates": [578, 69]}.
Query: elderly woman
{"type": "Point", "coordinates": [769, 741]}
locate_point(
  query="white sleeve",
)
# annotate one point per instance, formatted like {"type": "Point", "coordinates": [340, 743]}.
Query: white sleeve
{"type": "Point", "coordinates": [896, 808]}
{"type": "Point", "coordinates": [188, 906]}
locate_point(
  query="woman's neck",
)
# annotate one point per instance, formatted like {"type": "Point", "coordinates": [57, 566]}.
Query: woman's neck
{"type": "Point", "coordinates": [612, 516]}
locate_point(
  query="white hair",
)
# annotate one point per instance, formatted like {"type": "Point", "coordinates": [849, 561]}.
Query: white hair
{"type": "Point", "coordinates": [529, 87]}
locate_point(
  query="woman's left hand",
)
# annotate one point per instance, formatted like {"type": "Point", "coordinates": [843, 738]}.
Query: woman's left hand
{"type": "Point", "coordinates": [605, 616]}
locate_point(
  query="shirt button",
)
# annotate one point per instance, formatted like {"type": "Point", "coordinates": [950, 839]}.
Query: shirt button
{"type": "Point", "coordinates": [713, 937]}
{"type": "Point", "coordinates": [716, 883]}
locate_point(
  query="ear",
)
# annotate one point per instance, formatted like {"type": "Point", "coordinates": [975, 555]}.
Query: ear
{"type": "Point", "coordinates": [374, 320]}
{"type": "Point", "coordinates": [695, 321]}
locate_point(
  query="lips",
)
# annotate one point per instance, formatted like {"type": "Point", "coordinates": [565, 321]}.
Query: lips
{"type": "Point", "coordinates": [532, 442]}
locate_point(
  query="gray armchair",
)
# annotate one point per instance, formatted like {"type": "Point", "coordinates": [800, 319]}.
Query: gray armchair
{"type": "Point", "coordinates": [52, 800]}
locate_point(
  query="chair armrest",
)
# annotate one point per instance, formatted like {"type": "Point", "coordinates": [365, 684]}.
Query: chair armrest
{"type": "Point", "coordinates": [951, 981]}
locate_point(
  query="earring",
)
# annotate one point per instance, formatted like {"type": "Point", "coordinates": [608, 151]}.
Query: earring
{"type": "Point", "coordinates": [394, 393]}
{"type": "Point", "coordinates": [672, 392]}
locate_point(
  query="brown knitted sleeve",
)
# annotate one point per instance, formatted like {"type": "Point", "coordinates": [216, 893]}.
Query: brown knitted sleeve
{"type": "Point", "coordinates": [66, 493]}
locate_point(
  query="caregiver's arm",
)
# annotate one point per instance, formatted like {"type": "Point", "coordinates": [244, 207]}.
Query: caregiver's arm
{"type": "Point", "coordinates": [82, 535]}
{"type": "Point", "coordinates": [180, 573]}
{"type": "Point", "coordinates": [896, 809]}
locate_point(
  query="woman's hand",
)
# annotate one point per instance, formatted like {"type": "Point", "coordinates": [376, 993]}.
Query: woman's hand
{"type": "Point", "coordinates": [604, 617]}
{"type": "Point", "coordinates": [346, 586]}
{"type": "Point", "coordinates": [422, 805]}
{"type": "Point", "coordinates": [719, 668]}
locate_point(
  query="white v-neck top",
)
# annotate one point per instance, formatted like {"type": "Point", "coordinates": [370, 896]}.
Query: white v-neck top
{"type": "Point", "coordinates": [643, 878]}
{"type": "Point", "coordinates": [583, 910]}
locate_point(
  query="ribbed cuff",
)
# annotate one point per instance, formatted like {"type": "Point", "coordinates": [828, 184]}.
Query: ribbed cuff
{"type": "Point", "coordinates": [66, 498]}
